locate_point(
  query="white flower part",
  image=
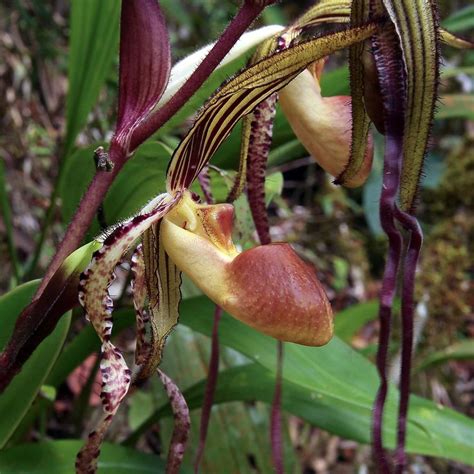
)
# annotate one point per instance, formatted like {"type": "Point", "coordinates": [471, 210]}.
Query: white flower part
{"type": "Point", "coordinates": [156, 201]}
{"type": "Point", "coordinates": [184, 68]}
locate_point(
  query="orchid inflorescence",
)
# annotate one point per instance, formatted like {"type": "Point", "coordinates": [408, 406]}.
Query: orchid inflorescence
{"type": "Point", "coordinates": [394, 66]}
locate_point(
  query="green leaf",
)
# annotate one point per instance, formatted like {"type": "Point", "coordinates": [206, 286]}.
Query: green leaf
{"type": "Point", "coordinates": [17, 398]}
{"type": "Point", "coordinates": [335, 82]}
{"type": "Point", "coordinates": [93, 48]}
{"type": "Point", "coordinates": [461, 20]}
{"type": "Point", "coordinates": [460, 351]}
{"type": "Point", "coordinates": [57, 457]}
{"type": "Point", "coordinates": [186, 361]}
{"type": "Point", "coordinates": [345, 383]}
{"type": "Point", "coordinates": [348, 321]}
{"type": "Point", "coordinates": [142, 178]}
{"type": "Point", "coordinates": [333, 386]}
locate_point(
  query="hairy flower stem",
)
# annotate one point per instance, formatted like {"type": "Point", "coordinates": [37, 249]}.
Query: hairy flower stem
{"type": "Point", "coordinates": [210, 389]}
{"type": "Point", "coordinates": [259, 143]}
{"type": "Point", "coordinates": [415, 240]}
{"type": "Point", "coordinates": [102, 181]}
{"type": "Point", "coordinates": [391, 180]}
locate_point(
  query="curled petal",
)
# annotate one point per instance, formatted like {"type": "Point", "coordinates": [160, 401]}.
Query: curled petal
{"type": "Point", "coordinates": [98, 275]}
{"type": "Point", "coordinates": [268, 287]}
{"type": "Point", "coordinates": [182, 424]}
{"type": "Point", "coordinates": [240, 95]}
{"type": "Point", "coordinates": [94, 297]}
{"type": "Point", "coordinates": [323, 125]}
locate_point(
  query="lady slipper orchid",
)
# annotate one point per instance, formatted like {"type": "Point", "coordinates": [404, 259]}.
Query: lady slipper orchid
{"type": "Point", "coordinates": [268, 287]}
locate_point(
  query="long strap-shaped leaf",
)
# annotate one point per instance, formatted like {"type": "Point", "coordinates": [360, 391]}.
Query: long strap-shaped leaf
{"type": "Point", "coordinates": [240, 95]}
{"type": "Point", "coordinates": [416, 24]}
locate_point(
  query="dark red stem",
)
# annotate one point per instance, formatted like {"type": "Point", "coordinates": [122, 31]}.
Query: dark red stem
{"type": "Point", "coordinates": [87, 209]}
{"type": "Point", "coordinates": [244, 18]}
{"type": "Point", "coordinates": [415, 240]}
{"type": "Point", "coordinates": [275, 420]}
{"type": "Point", "coordinates": [210, 389]}
{"type": "Point", "coordinates": [391, 179]}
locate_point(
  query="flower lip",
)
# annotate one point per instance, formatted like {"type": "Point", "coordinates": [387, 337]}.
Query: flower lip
{"type": "Point", "coordinates": [267, 287]}
{"type": "Point", "coordinates": [211, 222]}
{"type": "Point", "coordinates": [277, 293]}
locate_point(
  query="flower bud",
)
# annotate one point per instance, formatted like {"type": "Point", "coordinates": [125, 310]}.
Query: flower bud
{"type": "Point", "coordinates": [323, 124]}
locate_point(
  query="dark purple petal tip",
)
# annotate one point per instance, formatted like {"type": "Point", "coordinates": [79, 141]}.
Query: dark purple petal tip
{"type": "Point", "coordinates": [145, 64]}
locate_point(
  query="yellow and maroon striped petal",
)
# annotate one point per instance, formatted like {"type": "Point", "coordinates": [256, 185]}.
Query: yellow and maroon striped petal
{"type": "Point", "coordinates": [242, 94]}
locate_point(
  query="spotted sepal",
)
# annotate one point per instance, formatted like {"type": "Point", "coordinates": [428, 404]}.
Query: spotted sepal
{"type": "Point", "coordinates": [182, 424]}
{"type": "Point", "coordinates": [94, 297]}
{"type": "Point", "coordinates": [140, 300]}
{"type": "Point", "coordinates": [95, 280]}
{"type": "Point", "coordinates": [115, 384]}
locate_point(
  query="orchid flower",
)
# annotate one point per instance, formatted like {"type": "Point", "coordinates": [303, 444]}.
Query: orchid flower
{"type": "Point", "coordinates": [268, 287]}
{"type": "Point", "coordinates": [393, 85]}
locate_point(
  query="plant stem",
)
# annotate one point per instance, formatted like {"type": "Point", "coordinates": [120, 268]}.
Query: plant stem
{"type": "Point", "coordinates": [84, 214]}
{"type": "Point", "coordinates": [415, 241]}
{"type": "Point", "coordinates": [210, 389]}
{"type": "Point", "coordinates": [102, 181]}
{"type": "Point", "coordinates": [391, 179]}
